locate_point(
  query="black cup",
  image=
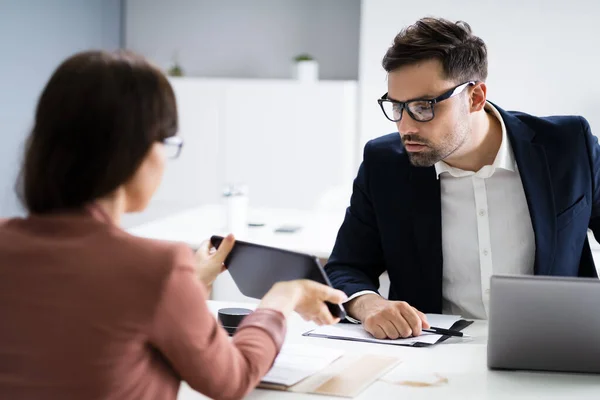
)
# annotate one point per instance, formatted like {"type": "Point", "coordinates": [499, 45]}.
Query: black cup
{"type": "Point", "coordinates": [230, 318]}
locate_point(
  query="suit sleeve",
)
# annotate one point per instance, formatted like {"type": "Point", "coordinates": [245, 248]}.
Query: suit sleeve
{"type": "Point", "coordinates": [186, 333]}
{"type": "Point", "coordinates": [593, 149]}
{"type": "Point", "coordinates": [356, 261]}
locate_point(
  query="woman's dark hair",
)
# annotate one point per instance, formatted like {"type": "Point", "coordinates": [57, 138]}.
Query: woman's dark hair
{"type": "Point", "coordinates": [462, 54]}
{"type": "Point", "coordinates": [96, 120]}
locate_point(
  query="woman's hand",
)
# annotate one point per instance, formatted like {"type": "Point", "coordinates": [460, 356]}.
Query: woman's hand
{"type": "Point", "coordinates": [306, 297]}
{"type": "Point", "coordinates": [210, 261]}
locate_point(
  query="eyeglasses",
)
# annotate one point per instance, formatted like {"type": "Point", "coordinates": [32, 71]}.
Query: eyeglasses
{"type": "Point", "coordinates": [173, 145]}
{"type": "Point", "coordinates": [421, 110]}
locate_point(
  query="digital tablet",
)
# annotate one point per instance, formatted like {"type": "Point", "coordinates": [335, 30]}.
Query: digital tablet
{"type": "Point", "coordinates": [256, 268]}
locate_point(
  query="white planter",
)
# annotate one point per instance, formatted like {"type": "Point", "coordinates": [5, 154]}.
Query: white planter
{"type": "Point", "coordinates": [306, 71]}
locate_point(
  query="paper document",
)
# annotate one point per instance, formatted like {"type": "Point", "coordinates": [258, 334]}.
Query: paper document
{"type": "Point", "coordinates": [442, 321]}
{"type": "Point", "coordinates": [296, 362]}
{"type": "Point", "coordinates": [358, 333]}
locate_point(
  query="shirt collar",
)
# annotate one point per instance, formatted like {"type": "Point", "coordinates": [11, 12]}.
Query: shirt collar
{"type": "Point", "coordinates": [505, 158]}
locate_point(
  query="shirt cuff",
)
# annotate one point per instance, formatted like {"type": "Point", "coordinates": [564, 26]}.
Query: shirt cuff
{"type": "Point", "coordinates": [355, 295]}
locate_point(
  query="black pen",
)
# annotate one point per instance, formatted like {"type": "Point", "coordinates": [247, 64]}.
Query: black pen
{"type": "Point", "coordinates": [442, 331]}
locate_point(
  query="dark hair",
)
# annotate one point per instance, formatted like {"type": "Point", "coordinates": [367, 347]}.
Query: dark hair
{"type": "Point", "coordinates": [462, 54]}
{"type": "Point", "coordinates": [97, 118]}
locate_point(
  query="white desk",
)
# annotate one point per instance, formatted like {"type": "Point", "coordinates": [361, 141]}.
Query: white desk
{"type": "Point", "coordinates": [463, 364]}
{"type": "Point", "coordinates": [316, 236]}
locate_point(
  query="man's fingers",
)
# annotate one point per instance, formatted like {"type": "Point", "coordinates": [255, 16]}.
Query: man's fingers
{"type": "Point", "coordinates": [390, 330]}
{"type": "Point", "coordinates": [395, 319]}
{"type": "Point", "coordinates": [376, 331]}
{"type": "Point", "coordinates": [424, 322]}
{"type": "Point", "coordinates": [402, 327]}
{"type": "Point", "coordinates": [412, 319]}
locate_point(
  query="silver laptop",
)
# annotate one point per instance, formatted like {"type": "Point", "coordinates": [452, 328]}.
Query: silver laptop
{"type": "Point", "coordinates": [544, 323]}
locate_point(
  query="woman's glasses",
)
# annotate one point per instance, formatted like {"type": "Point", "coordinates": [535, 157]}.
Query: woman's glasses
{"type": "Point", "coordinates": [173, 145]}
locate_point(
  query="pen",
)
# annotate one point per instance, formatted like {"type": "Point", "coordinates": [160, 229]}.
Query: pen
{"type": "Point", "coordinates": [441, 331]}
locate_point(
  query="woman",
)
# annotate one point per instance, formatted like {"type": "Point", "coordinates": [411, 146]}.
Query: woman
{"type": "Point", "coordinates": [90, 312]}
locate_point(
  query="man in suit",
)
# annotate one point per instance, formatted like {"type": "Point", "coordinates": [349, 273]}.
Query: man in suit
{"type": "Point", "coordinates": [462, 191]}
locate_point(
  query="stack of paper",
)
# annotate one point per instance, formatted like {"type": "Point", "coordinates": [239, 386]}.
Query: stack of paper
{"type": "Point", "coordinates": [357, 332]}
{"type": "Point", "coordinates": [296, 362]}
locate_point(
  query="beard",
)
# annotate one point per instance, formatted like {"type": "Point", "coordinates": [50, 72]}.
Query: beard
{"type": "Point", "coordinates": [427, 156]}
{"type": "Point", "coordinates": [435, 152]}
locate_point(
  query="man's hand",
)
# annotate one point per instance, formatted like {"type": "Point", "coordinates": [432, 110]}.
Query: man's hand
{"type": "Point", "coordinates": [385, 319]}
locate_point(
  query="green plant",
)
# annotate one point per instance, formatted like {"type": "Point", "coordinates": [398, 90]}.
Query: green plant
{"type": "Point", "coordinates": [175, 70]}
{"type": "Point", "coordinates": [303, 57]}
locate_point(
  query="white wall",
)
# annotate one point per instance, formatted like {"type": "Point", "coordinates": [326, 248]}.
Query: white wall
{"type": "Point", "coordinates": [543, 55]}
{"type": "Point", "coordinates": [35, 36]}
{"type": "Point", "coordinates": [290, 142]}
{"type": "Point", "coordinates": [246, 38]}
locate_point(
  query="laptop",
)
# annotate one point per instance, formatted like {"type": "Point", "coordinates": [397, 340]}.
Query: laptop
{"type": "Point", "coordinates": [544, 323]}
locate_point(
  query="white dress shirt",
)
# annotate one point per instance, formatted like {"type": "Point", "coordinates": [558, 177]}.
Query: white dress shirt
{"type": "Point", "coordinates": [486, 229]}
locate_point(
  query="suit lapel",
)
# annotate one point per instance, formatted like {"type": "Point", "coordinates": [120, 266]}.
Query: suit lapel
{"type": "Point", "coordinates": [535, 176]}
{"type": "Point", "coordinates": [533, 168]}
{"type": "Point", "coordinates": [427, 224]}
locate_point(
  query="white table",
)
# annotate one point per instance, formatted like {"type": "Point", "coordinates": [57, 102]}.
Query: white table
{"type": "Point", "coordinates": [462, 363]}
{"type": "Point", "coordinates": [316, 236]}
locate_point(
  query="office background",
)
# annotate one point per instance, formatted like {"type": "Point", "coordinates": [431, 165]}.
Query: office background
{"type": "Point", "coordinates": [243, 116]}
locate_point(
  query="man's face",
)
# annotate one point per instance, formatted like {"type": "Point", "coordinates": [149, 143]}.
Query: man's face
{"type": "Point", "coordinates": [443, 136]}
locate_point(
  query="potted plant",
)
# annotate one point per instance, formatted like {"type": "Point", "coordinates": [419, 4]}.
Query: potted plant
{"type": "Point", "coordinates": [306, 68]}
{"type": "Point", "coordinates": [175, 68]}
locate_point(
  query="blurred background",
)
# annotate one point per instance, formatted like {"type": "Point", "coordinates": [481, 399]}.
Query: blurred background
{"type": "Point", "coordinates": [280, 95]}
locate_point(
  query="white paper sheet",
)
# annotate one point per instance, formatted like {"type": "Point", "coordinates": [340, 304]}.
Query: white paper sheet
{"type": "Point", "coordinates": [357, 332]}
{"type": "Point", "coordinates": [296, 362]}
{"type": "Point", "coordinates": [442, 320]}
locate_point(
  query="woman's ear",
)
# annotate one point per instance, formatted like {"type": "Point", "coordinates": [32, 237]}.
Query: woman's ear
{"type": "Point", "coordinates": [144, 183]}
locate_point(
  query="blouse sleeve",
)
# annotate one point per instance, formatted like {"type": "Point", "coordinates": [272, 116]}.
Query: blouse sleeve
{"type": "Point", "coordinates": [198, 348]}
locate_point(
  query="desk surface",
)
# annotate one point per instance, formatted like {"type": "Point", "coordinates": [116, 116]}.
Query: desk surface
{"type": "Point", "coordinates": [462, 363]}
{"type": "Point", "coordinates": [316, 236]}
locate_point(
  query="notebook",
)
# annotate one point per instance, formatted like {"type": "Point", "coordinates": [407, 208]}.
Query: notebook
{"type": "Point", "coordinates": [297, 362]}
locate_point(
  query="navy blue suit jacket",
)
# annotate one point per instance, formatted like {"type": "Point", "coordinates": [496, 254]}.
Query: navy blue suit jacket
{"type": "Point", "coordinates": [394, 219]}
